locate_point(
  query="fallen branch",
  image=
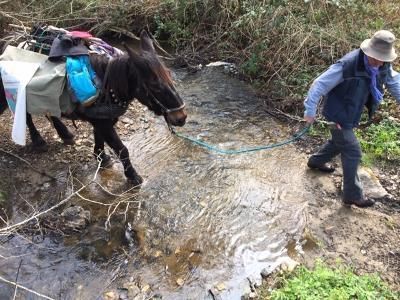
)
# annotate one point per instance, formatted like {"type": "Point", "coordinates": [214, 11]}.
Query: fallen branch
{"type": "Point", "coordinates": [35, 216]}
{"type": "Point", "coordinates": [11, 227]}
{"type": "Point", "coordinates": [16, 280]}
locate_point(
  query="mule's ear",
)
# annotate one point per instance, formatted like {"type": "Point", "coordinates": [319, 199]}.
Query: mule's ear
{"type": "Point", "coordinates": [146, 44]}
{"type": "Point", "coordinates": [132, 54]}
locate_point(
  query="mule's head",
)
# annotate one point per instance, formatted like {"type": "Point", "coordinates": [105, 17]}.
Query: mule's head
{"type": "Point", "coordinates": [155, 85]}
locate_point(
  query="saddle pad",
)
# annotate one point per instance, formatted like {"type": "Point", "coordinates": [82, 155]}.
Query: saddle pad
{"type": "Point", "coordinates": [46, 92]}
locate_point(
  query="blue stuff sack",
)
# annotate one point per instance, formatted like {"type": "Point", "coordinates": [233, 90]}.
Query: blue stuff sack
{"type": "Point", "coordinates": [81, 79]}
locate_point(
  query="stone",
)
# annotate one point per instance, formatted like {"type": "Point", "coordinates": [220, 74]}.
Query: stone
{"type": "Point", "coordinates": [145, 288]}
{"type": "Point", "coordinates": [289, 265]}
{"type": "Point", "coordinates": [253, 295]}
{"type": "Point", "coordinates": [126, 120]}
{"type": "Point", "coordinates": [158, 253]}
{"type": "Point", "coordinates": [110, 296]}
{"type": "Point", "coordinates": [75, 217]}
{"type": "Point", "coordinates": [220, 286]}
{"type": "Point", "coordinates": [265, 273]}
{"type": "Point", "coordinates": [372, 186]}
{"type": "Point", "coordinates": [133, 289]}
{"type": "Point", "coordinates": [180, 281]}
{"type": "Point", "coordinates": [123, 295]}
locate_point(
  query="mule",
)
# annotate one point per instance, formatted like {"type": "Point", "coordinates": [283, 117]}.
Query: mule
{"type": "Point", "coordinates": [140, 76]}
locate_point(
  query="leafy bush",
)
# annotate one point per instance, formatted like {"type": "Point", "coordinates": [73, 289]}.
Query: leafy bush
{"type": "Point", "coordinates": [281, 44]}
{"type": "Point", "coordinates": [381, 141]}
{"type": "Point", "coordinates": [338, 283]}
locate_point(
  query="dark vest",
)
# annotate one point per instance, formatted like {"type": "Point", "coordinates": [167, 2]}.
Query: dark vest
{"type": "Point", "coordinates": [344, 104]}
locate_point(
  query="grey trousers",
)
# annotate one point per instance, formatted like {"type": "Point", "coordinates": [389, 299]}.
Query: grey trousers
{"type": "Point", "coordinates": [345, 143]}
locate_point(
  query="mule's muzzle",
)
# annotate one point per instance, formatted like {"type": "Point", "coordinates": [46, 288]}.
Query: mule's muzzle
{"type": "Point", "coordinates": [177, 118]}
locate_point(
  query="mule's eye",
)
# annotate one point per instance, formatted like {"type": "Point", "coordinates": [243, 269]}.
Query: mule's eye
{"type": "Point", "coordinates": [154, 77]}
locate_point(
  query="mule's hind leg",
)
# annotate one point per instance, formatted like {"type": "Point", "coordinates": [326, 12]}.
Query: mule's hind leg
{"type": "Point", "coordinates": [106, 128]}
{"type": "Point", "coordinates": [3, 106]}
{"type": "Point", "coordinates": [99, 153]}
{"type": "Point", "coordinates": [62, 130]}
{"type": "Point", "coordinates": [38, 143]}
{"type": "Point", "coordinates": [3, 100]}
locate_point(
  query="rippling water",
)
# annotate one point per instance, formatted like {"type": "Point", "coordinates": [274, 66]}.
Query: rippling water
{"type": "Point", "coordinates": [201, 219]}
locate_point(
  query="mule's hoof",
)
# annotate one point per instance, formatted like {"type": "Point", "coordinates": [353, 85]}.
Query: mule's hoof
{"type": "Point", "coordinates": [70, 141]}
{"type": "Point", "coordinates": [136, 181]}
{"type": "Point", "coordinates": [106, 162]}
{"type": "Point", "coordinates": [39, 148]}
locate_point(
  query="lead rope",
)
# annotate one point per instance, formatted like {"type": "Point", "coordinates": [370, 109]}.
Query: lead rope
{"type": "Point", "coordinates": [210, 147]}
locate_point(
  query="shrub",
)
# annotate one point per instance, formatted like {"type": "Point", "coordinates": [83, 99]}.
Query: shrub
{"type": "Point", "coordinates": [382, 140]}
{"type": "Point", "coordinates": [339, 283]}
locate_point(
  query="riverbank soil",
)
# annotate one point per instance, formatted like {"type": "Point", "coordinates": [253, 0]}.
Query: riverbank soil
{"type": "Point", "coordinates": [368, 239]}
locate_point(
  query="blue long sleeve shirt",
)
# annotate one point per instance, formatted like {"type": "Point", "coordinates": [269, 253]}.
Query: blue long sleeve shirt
{"type": "Point", "coordinates": [334, 76]}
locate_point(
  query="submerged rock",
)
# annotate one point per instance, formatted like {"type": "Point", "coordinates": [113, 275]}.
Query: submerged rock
{"type": "Point", "coordinates": [75, 218]}
{"type": "Point", "coordinates": [132, 288]}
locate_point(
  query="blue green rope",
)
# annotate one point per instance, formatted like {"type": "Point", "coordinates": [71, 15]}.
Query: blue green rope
{"type": "Point", "coordinates": [295, 137]}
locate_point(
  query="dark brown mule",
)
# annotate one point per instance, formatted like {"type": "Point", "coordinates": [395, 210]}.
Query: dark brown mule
{"type": "Point", "coordinates": [140, 76]}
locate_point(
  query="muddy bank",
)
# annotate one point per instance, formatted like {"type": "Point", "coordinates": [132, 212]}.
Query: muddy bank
{"type": "Point", "coordinates": [366, 239]}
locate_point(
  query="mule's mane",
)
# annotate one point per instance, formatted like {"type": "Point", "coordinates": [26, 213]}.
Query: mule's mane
{"type": "Point", "coordinates": [122, 76]}
{"type": "Point", "coordinates": [161, 71]}
{"type": "Point", "coordinates": [116, 72]}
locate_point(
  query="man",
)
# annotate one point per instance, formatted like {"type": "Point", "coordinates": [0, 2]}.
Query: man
{"type": "Point", "coordinates": [355, 80]}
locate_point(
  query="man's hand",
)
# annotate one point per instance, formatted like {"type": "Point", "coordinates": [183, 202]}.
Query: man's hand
{"type": "Point", "coordinates": [309, 119]}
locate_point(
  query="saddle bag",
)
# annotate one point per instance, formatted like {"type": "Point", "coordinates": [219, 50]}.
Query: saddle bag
{"type": "Point", "coordinates": [82, 80]}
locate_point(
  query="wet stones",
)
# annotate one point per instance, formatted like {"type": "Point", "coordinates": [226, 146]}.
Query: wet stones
{"type": "Point", "coordinates": [75, 218]}
{"type": "Point", "coordinates": [126, 120]}
{"type": "Point", "coordinates": [131, 291]}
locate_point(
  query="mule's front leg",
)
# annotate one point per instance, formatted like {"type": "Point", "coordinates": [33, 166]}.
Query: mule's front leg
{"type": "Point", "coordinates": [38, 143]}
{"type": "Point", "coordinates": [111, 137]}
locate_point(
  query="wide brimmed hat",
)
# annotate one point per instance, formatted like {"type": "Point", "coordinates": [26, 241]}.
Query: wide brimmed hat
{"type": "Point", "coordinates": [380, 46]}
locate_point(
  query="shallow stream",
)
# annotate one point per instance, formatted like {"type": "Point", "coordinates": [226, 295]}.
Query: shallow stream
{"type": "Point", "coordinates": [202, 221]}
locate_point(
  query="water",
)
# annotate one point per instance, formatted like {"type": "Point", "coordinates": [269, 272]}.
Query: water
{"type": "Point", "coordinates": [201, 221]}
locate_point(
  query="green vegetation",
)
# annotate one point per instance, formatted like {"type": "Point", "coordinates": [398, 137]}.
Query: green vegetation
{"type": "Point", "coordinates": [319, 129]}
{"type": "Point", "coordinates": [381, 141]}
{"type": "Point", "coordinates": [323, 282]}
